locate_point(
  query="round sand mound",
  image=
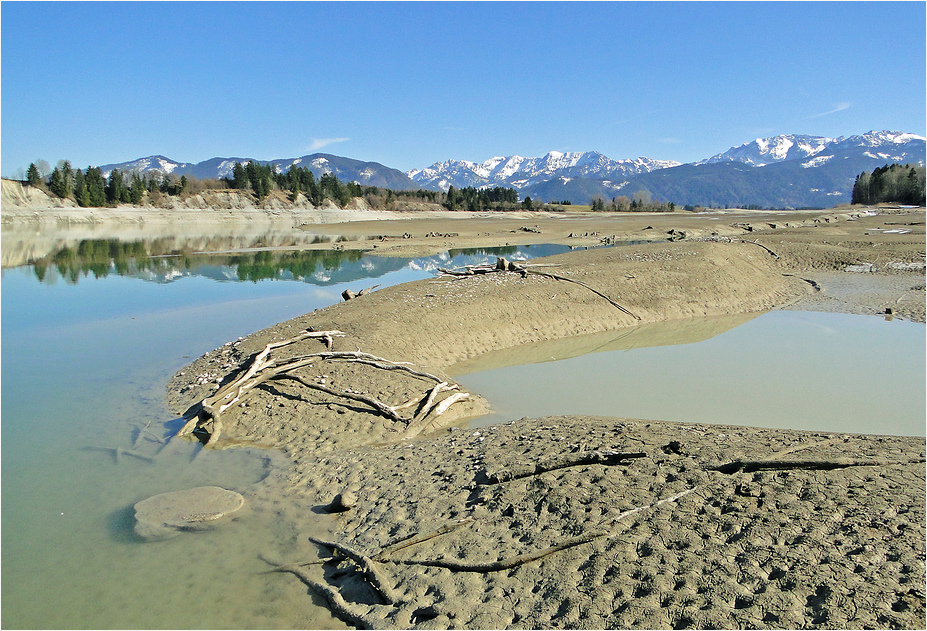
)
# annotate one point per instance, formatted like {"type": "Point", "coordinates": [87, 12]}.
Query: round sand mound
{"type": "Point", "coordinates": [168, 514]}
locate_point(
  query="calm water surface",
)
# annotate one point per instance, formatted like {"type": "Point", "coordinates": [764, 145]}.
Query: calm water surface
{"type": "Point", "coordinates": [90, 337]}
{"type": "Point", "coordinates": [826, 372]}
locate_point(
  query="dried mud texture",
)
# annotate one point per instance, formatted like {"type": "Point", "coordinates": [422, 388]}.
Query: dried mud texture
{"type": "Point", "coordinates": [865, 264]}
{"type": "Point", "coordinates": [840, 548]}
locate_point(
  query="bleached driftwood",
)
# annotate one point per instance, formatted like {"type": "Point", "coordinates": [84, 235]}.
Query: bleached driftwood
{"type": "Point", "coordinates": [347, 294]}
{"type": "Point", "coordinates": [524, 269]}
{"type": "Point", "coordinates": [263, 367]}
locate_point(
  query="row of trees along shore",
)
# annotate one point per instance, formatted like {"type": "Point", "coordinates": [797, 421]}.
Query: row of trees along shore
{"type": "Point", "coordinates": [902, 184]}
{"type": "Point", "coordinates": [89, 188]}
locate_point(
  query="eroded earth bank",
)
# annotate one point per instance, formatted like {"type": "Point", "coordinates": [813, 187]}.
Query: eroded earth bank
{"type": "Point", "coordinates": [578, 522]}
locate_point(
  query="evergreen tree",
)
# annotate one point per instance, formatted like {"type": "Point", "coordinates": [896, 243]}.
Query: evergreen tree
{"type": "Point", "coordinates": [56, 185]}
{"type": "Point", "coordinates": [81, 194]}
{"type": "Point", "coordinates": [116, 191]}
{"type": "Point", "coordinates": [314, 190]}
{"type": "Point", "coordinates": [64, 180]}
{"type": "Point", "coordinates": [452, 201]}
{"type": "Point", "coordinates": [860, 193]}
{"type": "Point", "coordinates": [96, 188]}
{"type": "Point", "coordinates": [68, 174]}
{"type": "Point", "coordinates": [32, 175]}
{"type": "Point", "coordinates": [902, 184]}
{"type": "Point", "coordinates": [239, 176]}
{"type": "Point", "coordinates": [136, 189]}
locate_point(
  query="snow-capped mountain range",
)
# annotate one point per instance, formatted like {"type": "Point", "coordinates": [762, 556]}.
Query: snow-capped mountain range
{"type": "Point", "coordinates": [888, 145]}
{"type": "Point", "coordinates": [785, 171]}
{"type": "Point", "coordinates": [519, 172]}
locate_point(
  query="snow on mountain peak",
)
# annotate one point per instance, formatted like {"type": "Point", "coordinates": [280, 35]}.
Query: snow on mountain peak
{"type": "Point", "coordinates": [763, 151]}
{"type": "Point", "coordinates": [518, 171]}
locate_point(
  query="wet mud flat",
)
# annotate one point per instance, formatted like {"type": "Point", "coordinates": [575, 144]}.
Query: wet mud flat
{"type": "Point", "coordinates": [591, 522]}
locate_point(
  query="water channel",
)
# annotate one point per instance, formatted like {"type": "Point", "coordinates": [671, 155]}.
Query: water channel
{"type": "Point", "coordinates": [91, 332]}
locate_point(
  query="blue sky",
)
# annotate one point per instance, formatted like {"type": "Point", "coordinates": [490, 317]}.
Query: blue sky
{"type": "Point", "coordinates": [409, 84]}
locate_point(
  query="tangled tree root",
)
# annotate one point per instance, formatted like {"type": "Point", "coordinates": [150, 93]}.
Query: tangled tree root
{"type": "Point", "coordinates": [263, 367]}
{"type": "Point", "coordinates": [503, 265]}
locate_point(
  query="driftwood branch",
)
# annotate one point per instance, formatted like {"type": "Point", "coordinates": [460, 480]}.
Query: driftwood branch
{"type": "Point", "coordinates": [762, 246]}
{"type": "Point", "coordinates": [502, 266]}
{"type": "Point", "coordinates": [347, 294]}
{"type": "Point", "coordinates": [376, 404]}
{"type": "Point", "coordinates": [262, 368]}
{"type": "Point", "coordinates": [603, 457]}
{"type": "Point", "coordinates": [343, 610]}
{"type": "Point", "coordinates": [377, 362]}
{"type": "Point", "coordinates": [748, 466]}
{"type": "Point", "coordinates": [119, 452]}
{"type": "Point", "coordinates": [429, 412]}
{"type": "Point", "coordinates": [367, 566]}
{"type": "Point", "coordinates": [505, 564]}
{"type": "Point", "coordinates": [430, 399]}
{"type": "Point", "coordinates": [419, 538]}
{"type": "Point", "coordinates": [791, 450]}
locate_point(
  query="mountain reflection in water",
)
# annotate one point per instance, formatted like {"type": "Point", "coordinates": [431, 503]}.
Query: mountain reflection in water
{"type": "Point", "coordinates": [161, 261]}
{"type": "Point", "coordinates": [145, 260]}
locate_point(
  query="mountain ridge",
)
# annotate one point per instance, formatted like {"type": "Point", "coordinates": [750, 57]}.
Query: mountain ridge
{"type": "Point", "coordinates": [818, 171]}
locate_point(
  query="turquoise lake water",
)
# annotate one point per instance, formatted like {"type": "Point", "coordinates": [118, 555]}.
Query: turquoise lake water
{"type": "Point", "coordinates": [87, 347]}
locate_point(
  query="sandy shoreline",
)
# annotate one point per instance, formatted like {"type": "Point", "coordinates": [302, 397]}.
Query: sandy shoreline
{"type": "Point", "coordinates": [791, 547]}
{"type": "Point", "coordinates": [653, 538]}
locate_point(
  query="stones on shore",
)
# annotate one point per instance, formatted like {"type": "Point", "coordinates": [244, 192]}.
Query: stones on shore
{"type": "Point", "coordinates": [166, 515]}
{"type": "Point", "coordinates": [344, 501]}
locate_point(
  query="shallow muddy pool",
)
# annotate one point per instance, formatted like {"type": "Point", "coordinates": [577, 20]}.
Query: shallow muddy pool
{"type": "Point", "coordinates": [91, 333]}
{"type": "Point", "coordinates": [826, 372]}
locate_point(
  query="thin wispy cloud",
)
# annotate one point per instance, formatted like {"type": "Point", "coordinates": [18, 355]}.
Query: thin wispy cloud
{"type": "Point", "coordinates": [318, 143]}
{"type": "Point", "coordinates": [838, 107]}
